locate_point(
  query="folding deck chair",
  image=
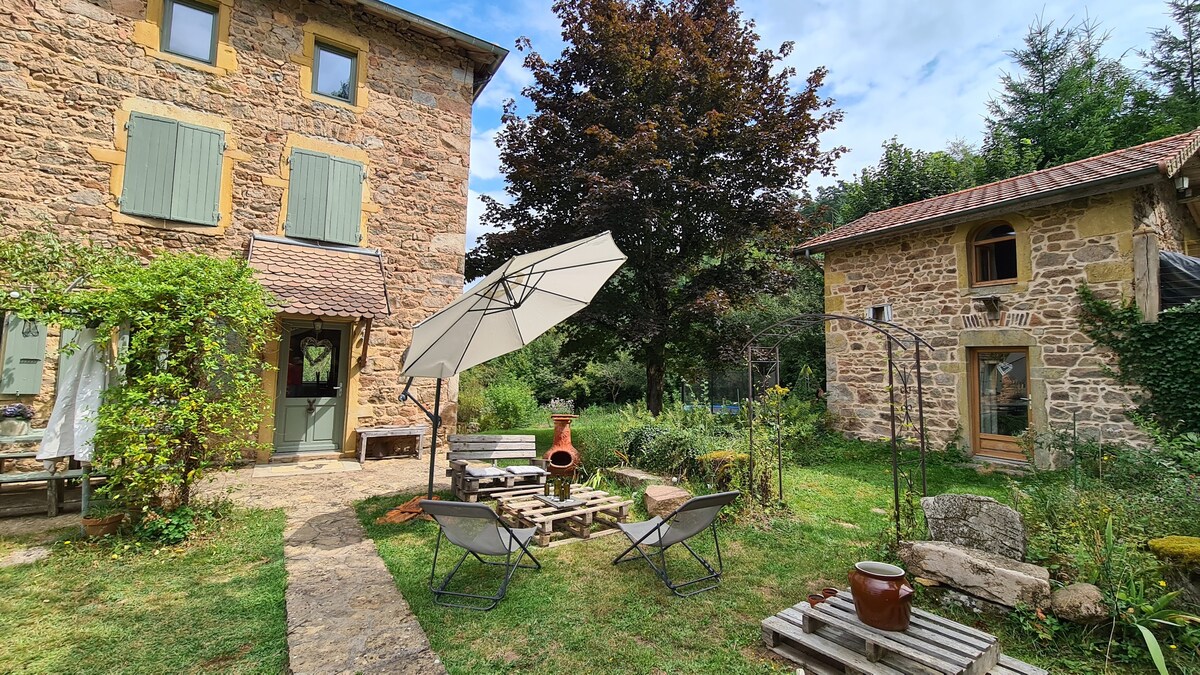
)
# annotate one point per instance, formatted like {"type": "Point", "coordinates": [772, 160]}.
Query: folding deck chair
{"type": "Point", "coordinates": [477, 529]}
{"type": "Point", "coordinates": [660, 534]}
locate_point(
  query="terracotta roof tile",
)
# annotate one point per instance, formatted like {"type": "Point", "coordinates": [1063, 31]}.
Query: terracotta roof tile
{"type": "Point", "coordinates": [309, 279]}
{"type": "Point", "coordinates": [1163, 158]}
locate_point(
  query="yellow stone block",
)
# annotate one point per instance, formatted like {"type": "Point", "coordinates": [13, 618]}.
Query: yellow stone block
{"type": "Point", "coordinates": [1109, 271]}
{"type": "Point", "coordinates": [835, 303]}
{"type": "Point", "coordinates": [1109, 218]}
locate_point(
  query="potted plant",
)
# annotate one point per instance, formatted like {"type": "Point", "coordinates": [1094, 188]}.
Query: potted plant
{"type": "Point", "coordinates": [14, 419]}
{"type": "Point", "coordinates": [102, 518]}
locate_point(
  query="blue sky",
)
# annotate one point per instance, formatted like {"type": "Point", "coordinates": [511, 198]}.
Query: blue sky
{"type": "Point", "coordinates": [922, 70]}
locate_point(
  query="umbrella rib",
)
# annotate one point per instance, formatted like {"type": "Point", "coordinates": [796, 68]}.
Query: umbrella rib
{"type": "Point", "coordinates": [471, 339]}
{"type": "Point", "coordinates": [560, 295]}
{"type": "Point", "coordinates": [434, 341]}
{"type": "Point", "coordinates": [576, 266]}
{"type": "Point", "coordinates": [565, 250]}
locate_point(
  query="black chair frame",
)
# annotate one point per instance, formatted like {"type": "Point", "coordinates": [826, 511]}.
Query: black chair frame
{"type": "Point", "coordinates": [660, 569]}
{"type": "Point", "coordinates": [439, 589]}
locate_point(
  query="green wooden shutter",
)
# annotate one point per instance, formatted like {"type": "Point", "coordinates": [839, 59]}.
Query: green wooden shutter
{"type": "Point", "coordinates": [24, 356]}
{"type": "Point", "coordinates": [308, 195]}
{"type": "Point", "coordinates": [344, 222]}
{"type": "Point", "coordinates": [196, 193]}
{"type": "Point", "coordinates": [149, 166]}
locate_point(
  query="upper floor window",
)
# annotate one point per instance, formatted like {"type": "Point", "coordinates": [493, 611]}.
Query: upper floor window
{"type": "Point", "coordinates": [334, 72]}
{"type": "Point", "coordinates": [189, 29]}
{"type": "Point", "coordinates": [172, 170]}
{"type": "Point", "coordinates": [994, 255]}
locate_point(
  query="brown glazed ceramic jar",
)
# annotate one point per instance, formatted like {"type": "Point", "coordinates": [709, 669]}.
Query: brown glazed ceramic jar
{"type": "Point", "coordinates": [882, 597]}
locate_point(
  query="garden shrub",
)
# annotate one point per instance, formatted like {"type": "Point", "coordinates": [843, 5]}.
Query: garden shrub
{"type": "Point", "coordinates": [600, 446]}
{"type": "Point", "coordinates": [508, 404]}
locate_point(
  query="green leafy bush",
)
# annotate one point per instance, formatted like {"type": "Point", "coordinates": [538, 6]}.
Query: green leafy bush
{"type": "Point", "coordinates": [167, 527]}
{"type": "Point", "coordinates": [508, 404]}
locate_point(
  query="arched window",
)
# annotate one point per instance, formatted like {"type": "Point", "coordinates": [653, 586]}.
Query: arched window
{"type": "Point", "coordinates": [994, 255]}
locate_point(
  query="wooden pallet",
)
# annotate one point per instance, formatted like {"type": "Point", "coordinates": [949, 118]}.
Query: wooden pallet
{"type": "Point", "coordinates": [829, 638]}
{"type": "Point", "coordinates": [599, 508]}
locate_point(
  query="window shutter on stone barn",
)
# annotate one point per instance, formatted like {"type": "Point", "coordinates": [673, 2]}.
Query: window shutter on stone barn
{"type": "Point", "coordinates": [24, 354]}
{"type": "Point", "coordinates": [308, 195]}
{"type": "Point", "coordinates": [196, 192]}
{"type": "Point", "coordinates": [343, 224]}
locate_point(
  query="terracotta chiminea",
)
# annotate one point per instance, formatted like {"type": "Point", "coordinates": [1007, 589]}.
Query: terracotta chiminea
{"type": "Point", "coordinates": [562, 457]}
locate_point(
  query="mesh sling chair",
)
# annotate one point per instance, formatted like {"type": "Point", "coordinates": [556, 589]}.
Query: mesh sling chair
{"type": "Point", "coordinates": [477, 529]}
{"type": "Point", "coordinates": [660, 534]}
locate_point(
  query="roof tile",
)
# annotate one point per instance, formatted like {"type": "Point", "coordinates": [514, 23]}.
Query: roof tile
{"type": "Point", "coordinates": [1166, 157]}
{"type": "Point", "coordinates": [307, 279]}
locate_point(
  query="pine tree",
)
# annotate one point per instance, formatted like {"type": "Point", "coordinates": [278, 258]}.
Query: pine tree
{"type": "Point", "coordinates": [1173, 63]}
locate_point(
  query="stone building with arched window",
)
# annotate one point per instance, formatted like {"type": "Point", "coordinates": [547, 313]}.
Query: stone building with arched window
{"type": "Point", "coordinates": [989, 276]}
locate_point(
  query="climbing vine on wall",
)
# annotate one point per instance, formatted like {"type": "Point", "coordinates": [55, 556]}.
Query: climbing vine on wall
{"type": "Point", "coordinates": [1161, 359]}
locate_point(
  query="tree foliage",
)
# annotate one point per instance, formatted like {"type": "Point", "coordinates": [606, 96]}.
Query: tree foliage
{"type": "Point", "coordinates": [1066, 99]}
{"type": "Point", "coordinates": [187, 395]}
{"type": "Point", "coordinates": [1160, 358]}
{"type": "Point", "coordinates": [1173, 63]}
{"type": "Point", "coordinates": [664, 123]}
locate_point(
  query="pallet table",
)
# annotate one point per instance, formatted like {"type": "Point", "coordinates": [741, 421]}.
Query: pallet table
{"type": "Point", "coordinates": [829, 638]}
{"type": "Point", "coordinates": [597, 508]}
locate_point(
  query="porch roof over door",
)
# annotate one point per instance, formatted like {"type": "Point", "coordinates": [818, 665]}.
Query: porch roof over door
{"type": "Point", "coordinates": [317, 280]}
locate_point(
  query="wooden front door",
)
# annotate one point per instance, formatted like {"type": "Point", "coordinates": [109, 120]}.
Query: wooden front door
{"type": "Point", "coordinates": [310, 406]}
{"type": "Point", "coordinates": [999, 401]}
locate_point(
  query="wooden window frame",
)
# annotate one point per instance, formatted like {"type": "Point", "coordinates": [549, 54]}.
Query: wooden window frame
{"type": "Point", "coordinates": [319, 46]}
{"type": "Point", "coordinates": [974, 246]}
{"type": "Point", "coordinates": [1004, 447]}
{"type": "Point", "coordinates": [165, 33]}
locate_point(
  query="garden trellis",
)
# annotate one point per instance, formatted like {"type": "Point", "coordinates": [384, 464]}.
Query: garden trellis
{"type": "Point", "coordinates": [905, 382]}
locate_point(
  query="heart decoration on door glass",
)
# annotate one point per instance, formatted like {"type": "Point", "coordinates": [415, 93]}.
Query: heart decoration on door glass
{"type": "Point", "coordinates": [315, 351]}
{"type": "Point", "coordinates": [1004, 367]}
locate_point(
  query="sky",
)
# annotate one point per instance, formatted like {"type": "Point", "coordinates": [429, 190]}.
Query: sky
{"type": "Point", "coordinates": [920, 70]}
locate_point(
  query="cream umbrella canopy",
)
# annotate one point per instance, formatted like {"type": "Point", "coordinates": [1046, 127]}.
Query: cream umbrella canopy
{"type": "Point", "coordinates": [517, 302]}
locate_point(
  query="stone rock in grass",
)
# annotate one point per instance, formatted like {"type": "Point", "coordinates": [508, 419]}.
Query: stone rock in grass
{"type": "Point", "coordinates": [1079, 603]}
{"type": "Point", "coordinates": [992, 577]}
{"type": "Point", "coordinates": [633, 478]}
{"type": "Point", "coordinates": [25, 556]}
{"type": "Point", "coordinates": [975, 522]}
{"type": "Point", "coordinates": [661, 500]}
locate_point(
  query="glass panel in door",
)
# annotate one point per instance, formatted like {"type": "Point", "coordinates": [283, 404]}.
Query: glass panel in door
{"type": "Point", "coordinates": [1001, 393]}
{"type": "Point", "coordinates": [311, 408]}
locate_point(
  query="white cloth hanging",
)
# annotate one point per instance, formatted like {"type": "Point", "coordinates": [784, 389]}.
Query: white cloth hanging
{"type": "Point", "coordinates": [81, 381]}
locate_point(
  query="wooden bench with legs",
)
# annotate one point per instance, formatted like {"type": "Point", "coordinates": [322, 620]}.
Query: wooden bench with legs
{"type": "Point", "coordinates": [473, 479]}
{"type": "Point", "coordinates": [55, 483]}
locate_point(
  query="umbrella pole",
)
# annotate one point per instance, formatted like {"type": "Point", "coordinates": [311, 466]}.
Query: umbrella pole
{"type": "Point", "coordinates": [436, 420]}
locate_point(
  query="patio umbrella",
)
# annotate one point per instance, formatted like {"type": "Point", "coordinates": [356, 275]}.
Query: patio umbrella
{"type": "Point", "coordinates": [517, 302]}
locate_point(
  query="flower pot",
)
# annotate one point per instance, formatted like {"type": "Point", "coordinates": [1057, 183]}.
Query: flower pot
{"type": "Point", "coordinates": [98, 527]}
{"type": "Point", "coordinates": [562, 457]}
{"type": "Point", "coordinates": [13, 426]}
{"type": "Point", "coordinates": [882, 596]}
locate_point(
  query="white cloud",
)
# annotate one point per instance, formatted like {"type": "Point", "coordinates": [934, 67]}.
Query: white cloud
{"type": "Point", "coordinates": [485, 156]}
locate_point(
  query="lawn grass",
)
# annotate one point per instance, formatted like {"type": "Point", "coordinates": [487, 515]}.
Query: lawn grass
{"type": "Point", "coordinates": [581, 614]}
{"type": "Point", "coordinates": [215, 604]}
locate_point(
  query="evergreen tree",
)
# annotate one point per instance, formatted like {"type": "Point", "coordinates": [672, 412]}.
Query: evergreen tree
{"type": "Point", "coordinates": [1173, 63]}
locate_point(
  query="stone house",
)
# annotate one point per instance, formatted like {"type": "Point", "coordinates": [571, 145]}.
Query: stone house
{"type": "Point", "coordinates": [326, 141]}
{"type": "Point", "coordinates": [988, 276]}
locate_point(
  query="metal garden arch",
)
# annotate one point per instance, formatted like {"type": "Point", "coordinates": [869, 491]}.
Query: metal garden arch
{"type": "Point", "coordinates": [762, 362]}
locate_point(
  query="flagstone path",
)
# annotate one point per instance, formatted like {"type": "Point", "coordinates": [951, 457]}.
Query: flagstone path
{"type": "Point", "coordinates": [344, 613]}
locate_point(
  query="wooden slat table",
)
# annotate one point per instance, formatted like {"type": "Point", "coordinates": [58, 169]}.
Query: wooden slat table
{"type": "Point", "coordinates": [829, 638]}
{"type": "Point", "coordinates": [598, 508]}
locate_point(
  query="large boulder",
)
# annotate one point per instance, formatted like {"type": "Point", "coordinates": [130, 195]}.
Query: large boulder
{"type": "Point", "coordinates": [1079, 603]}
{"type": "Point", "coordinates": [661, 500]}
{"type": "Point", "coordinates": [633, 478]}
{"type": "Point", "coordinates": [975, 522]}
{"type": "Point", "coordinates": [992, 577]}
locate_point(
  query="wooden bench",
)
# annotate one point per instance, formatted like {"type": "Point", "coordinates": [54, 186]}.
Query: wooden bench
{"type": "Point", "coordinates": [5, 456]}
{"type": "Point", "coordinates": [389, 433]}
{"type": "Point", "coordinates": [476, 448]}
{"type": "Point", "coordinates": [54, 484]}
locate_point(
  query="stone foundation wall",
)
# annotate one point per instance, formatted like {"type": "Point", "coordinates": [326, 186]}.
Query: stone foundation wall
{"type": "Point", "coordinates": [68, 67]}
{"type": "Point", "coordinates": [922, 276]}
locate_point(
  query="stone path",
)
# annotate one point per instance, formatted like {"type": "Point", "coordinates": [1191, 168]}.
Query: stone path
{"type": "Point", "coordinates": [344, 612]}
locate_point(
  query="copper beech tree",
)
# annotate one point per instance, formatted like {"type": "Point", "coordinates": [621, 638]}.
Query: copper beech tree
{"type": "Point", "coordinates": [666, 124]}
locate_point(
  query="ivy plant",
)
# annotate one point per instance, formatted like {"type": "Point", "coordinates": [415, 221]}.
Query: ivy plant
{"type": "Point", "coordinates": [185, 392]}
{"type": "Point", "coordinates": [1160, 359]}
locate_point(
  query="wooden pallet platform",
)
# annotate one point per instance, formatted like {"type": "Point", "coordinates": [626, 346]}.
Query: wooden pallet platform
{"type": "Point", "coordinates": [599, 508]}
{"type": "Point", "coordinates": [829, 638]}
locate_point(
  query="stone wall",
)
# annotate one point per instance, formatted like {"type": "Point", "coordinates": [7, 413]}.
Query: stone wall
{"type": "Point", "coordinates": [68, 67]}
{"type": "Point", "coordinates": [920, 274]}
